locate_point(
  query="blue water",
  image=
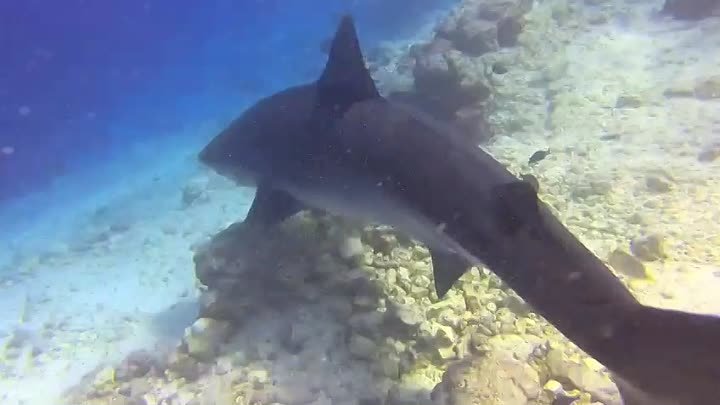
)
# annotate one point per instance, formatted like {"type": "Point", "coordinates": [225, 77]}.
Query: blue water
{"type": "Point", "coordinates": [103, 107]}
{"type": "Point", "coordinates": [105, 104]}
{"type": "Point", "coordinates": [94, 92]}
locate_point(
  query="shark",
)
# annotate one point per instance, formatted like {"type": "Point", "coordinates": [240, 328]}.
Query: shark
{"type": "Point", "coordinates": [337, 145]}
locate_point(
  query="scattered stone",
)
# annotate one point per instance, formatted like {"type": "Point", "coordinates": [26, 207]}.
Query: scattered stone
{"type": "Point", "coordinates": [522, 348]}
{"type": "Point", "coordinates": [709, 153]}
{"type": "Point", "coordinates": [507, 320]}
{"type": "Point", "coordinates": [194, 192]}
{"type": "Point", "coordinates": [594, 382]}
{"type": "Point", "coordinates": [497, 378]}
{"type": "Point", "coordinates": [380, 240]}
{"type": "Point", "coordinates": [596, 187]}
{"type": "Point", "coordinates": [184, 366]}
{"type": "Point", "coordinates": [469, 35]}
{"type": "Point", "coordinates": [137, 364]}
{"type": "Point", "coordinates": [204, 337]}
{"type": "Point", "coordinates": [691, 9]}
{"type": "Point", "coordinates": [436, 335]}
{"type": "Point", "coordinates": [362, 347]}
{"type": "Point", "coordinates": [657, 184]}
{"type": "Point", "coordinates": [411, 390]}
{"type": "Point", "coordinates": [295, 394]}
{"type": "Point", "coordinates": [648, 248]}
{"type": "Point", "coordinates": [351, 247]}
{"type": "Point", "coordinates": [587, 375]}
{"type": "Point", "coordinates": [508, 31]}
{"type": "Point", "coordinates": [368, 323]}
{"type": "Point", "coordinates": [709, 88]}
{"type": "Point", "coordinates": [627, 264]}
{"type": "Point", "coordinates": [628, 101]}
{"type": "Point", "coordinates": [390, 366]}
{"type": "Point", "coordinates": [295, 336]}
{"type": "Point", "coordinates": [499, 68]}
{"type": "Point", "coordinates": [408, 317]}
{"type": "Point", "coordinates": [135, 388]}
{"type": "Point", "coordinates": [104, 378]}
{"type": "Point", "coordinates": [554, 388]}
{"type": "Point", "coordinates": [476, 28]}
{"type": "Point", "coordinates": [637, 219]}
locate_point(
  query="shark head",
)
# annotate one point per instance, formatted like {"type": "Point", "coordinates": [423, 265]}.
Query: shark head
{"type": "Point", "coordinates": [219, 156]}
{"type": "Point", "coordinates": [252, 144]}
{"type": "Point", "coordinates": [263, 140]}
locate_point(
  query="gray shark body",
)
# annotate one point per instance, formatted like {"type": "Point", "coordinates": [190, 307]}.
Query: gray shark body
{"type": "Point", "coordinates": [337, 145]}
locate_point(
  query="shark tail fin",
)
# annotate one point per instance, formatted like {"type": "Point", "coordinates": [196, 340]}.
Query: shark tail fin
{"type": "Point", "coordinates": [668, 357]}
{"type": "Point", "coordinates": [346, 79]}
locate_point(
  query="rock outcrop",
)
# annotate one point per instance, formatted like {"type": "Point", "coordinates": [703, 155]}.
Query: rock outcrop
{"type": "Point", "coordinates": [691, 9]}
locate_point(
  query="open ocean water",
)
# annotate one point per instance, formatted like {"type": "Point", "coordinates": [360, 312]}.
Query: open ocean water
{"type": "Point", "coordinates": [127, 277]}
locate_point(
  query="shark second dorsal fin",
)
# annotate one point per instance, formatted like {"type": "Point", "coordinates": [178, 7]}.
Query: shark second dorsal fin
{"type": "Point", "coordinates": [345, 79]}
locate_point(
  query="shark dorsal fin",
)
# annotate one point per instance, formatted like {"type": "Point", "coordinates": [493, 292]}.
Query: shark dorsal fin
{"type": "Point", "coordinates": [345, 79]}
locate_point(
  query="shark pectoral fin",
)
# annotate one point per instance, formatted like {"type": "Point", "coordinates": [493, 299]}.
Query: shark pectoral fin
{"type": "Point", "coordinates": [271, 206]}
{"type": "Point", "coordinates": [345, 79]}
{"type": "Point", "coordinates": [448, 267]}
{"type": "Point", "coordinates": [516, 205]}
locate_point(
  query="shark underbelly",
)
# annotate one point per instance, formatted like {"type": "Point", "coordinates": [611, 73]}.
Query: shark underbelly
{"type": "Point", "coordinates": [371, 204]}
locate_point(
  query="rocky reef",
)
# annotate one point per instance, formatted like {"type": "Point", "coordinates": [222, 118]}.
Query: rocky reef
{"type": "Point", "coordinates": [320, 311]}
{"type": "Point", "coordinates": [691, 9]}
{"type": "Point", "coordinates": [373, 289]}
{"type": "Point", "coordinates": [455, 74]}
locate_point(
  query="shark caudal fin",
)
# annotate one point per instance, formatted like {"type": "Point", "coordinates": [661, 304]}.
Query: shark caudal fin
{"type": "Point", "coordinates": [669, 357]}
{"type": "Point", "coordinates": [345, 79]}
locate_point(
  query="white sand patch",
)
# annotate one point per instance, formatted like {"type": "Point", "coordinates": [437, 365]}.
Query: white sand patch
{"type": "Point", "coordinates": [115, 279]}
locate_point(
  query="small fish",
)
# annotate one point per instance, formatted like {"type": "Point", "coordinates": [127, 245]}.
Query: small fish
{"type": "Point", "coordinates": [538, 156]}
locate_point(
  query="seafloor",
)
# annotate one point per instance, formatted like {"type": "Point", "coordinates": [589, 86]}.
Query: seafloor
{"type": "Point", "coordinates": [323, 312]}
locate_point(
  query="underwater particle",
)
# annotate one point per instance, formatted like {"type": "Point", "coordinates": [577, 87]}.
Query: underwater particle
{"type": "Point", "coordinates": [648, 248]}
{"type": "Point", "coordinates": [538, 156]}
{"type": "Point", "coordinates": [24, 110]}
{"type": "Point", "coordinates": [7, 150]}
{"type": "Point", "coordinates": [627, 264]}
{"type": "Point", "coordinates": [499, 68]}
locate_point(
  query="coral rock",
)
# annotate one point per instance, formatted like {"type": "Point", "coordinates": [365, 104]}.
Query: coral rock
{"type": "Point", "coordinates": [497, 378]}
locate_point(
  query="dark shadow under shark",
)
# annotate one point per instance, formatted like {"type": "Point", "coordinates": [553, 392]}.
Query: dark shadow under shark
{"type": "Point", "coordinates": [337, 145]}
